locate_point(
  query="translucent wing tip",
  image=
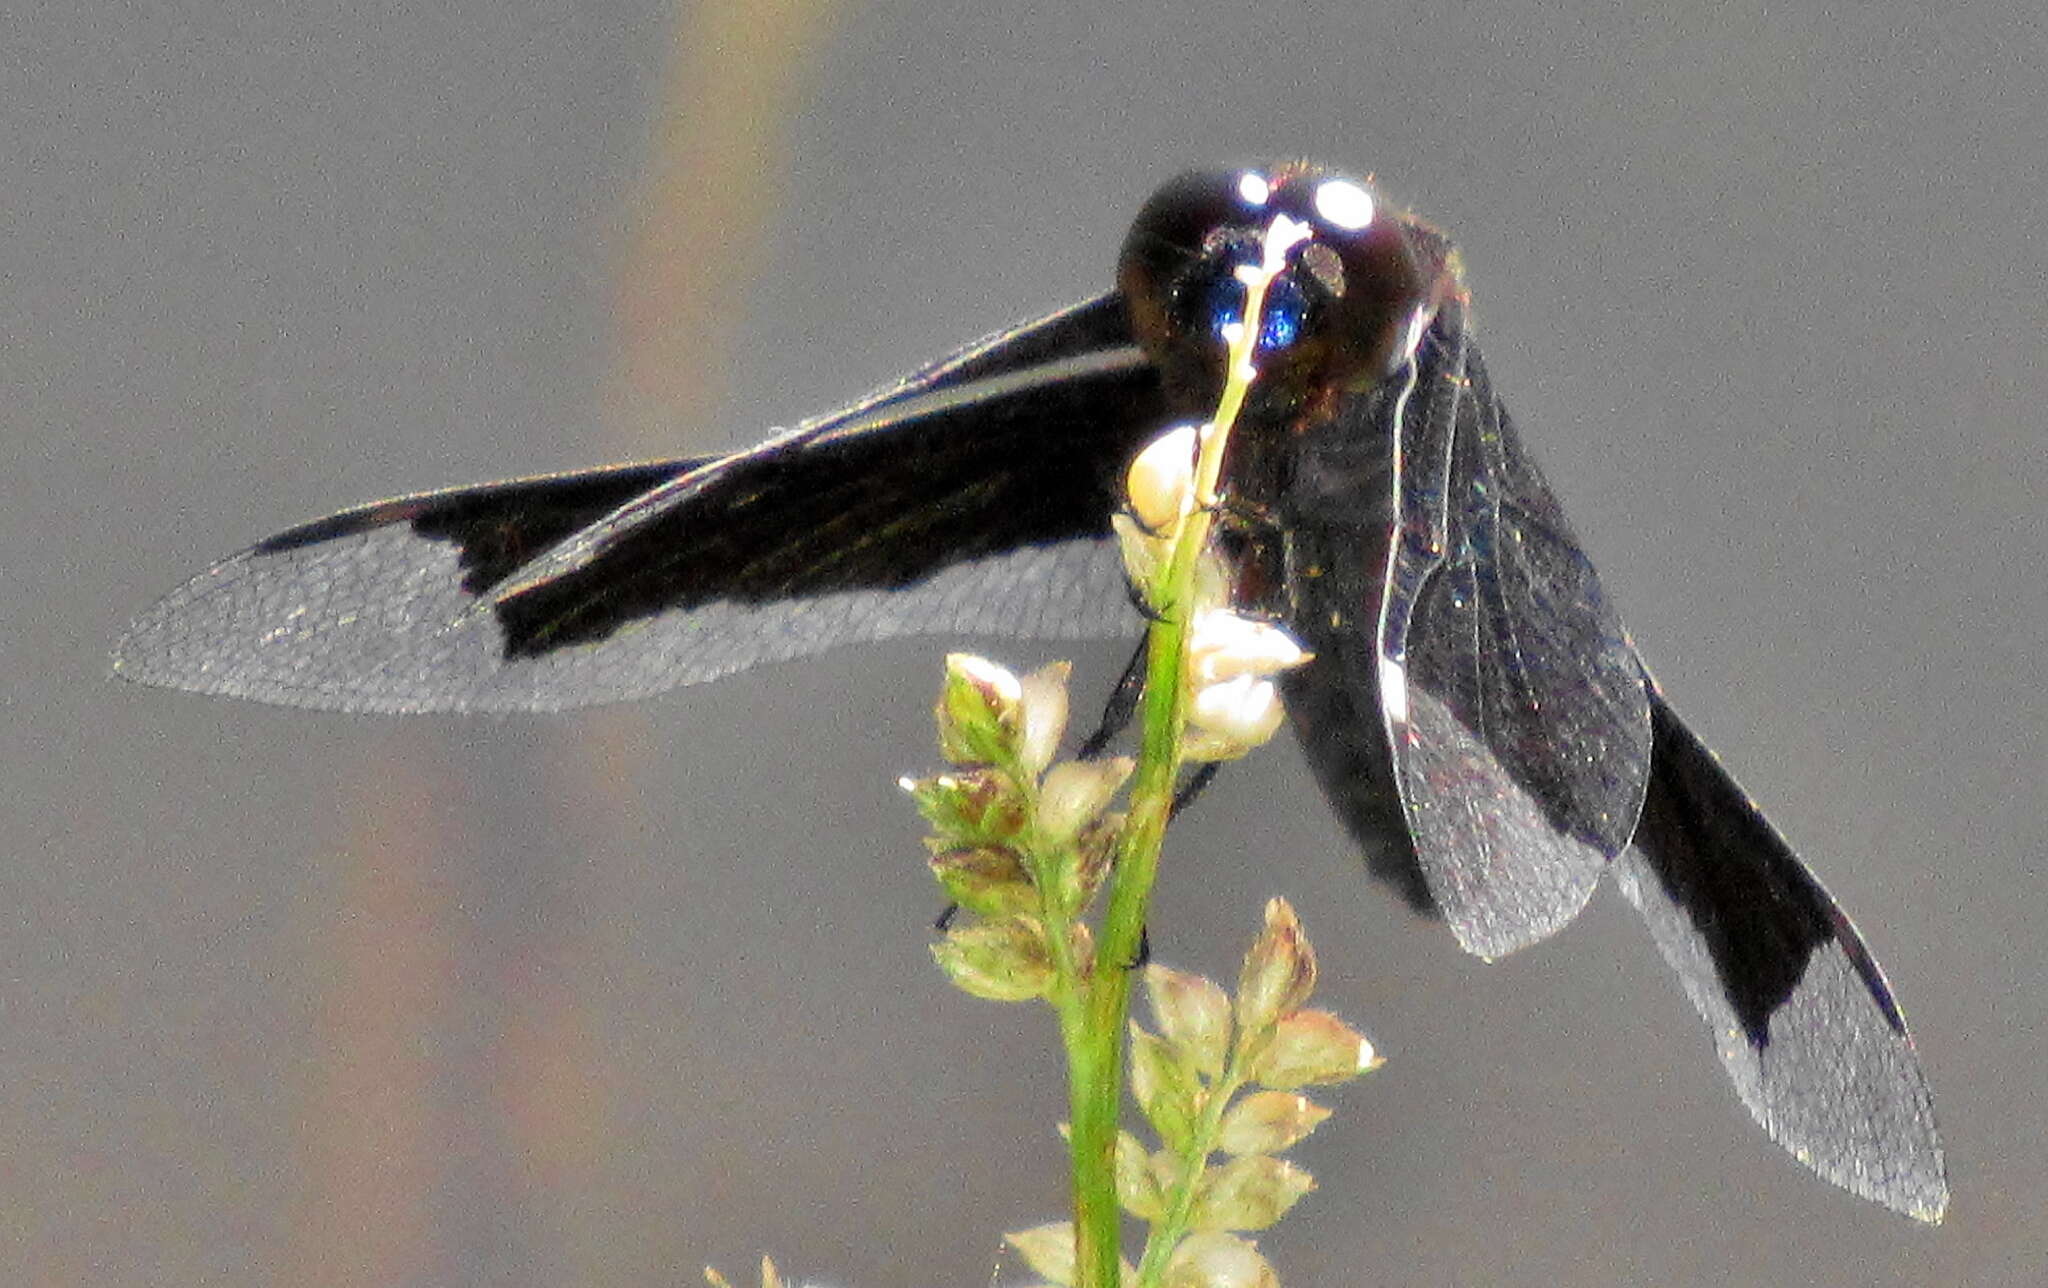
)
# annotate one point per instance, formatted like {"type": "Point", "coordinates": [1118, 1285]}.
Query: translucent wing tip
{"type": "Point", "coordinates": [1828, 1076]}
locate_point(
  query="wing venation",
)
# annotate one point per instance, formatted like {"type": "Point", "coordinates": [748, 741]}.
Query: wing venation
{"type": "Point", "coordinates": [971, 498]}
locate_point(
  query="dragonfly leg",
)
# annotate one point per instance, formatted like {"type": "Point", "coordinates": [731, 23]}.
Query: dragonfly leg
{"type": "Point", "coordinates": [1121, 706]}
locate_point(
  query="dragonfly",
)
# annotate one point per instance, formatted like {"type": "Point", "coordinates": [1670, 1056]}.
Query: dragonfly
{"type": "Point", "coordinates": [1474, 712]}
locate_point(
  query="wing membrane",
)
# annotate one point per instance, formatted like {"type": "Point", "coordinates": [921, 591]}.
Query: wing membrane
{"type": "Point", "coordinates": [1802, 1018]}
{"type": "Point", "coordinates": [972, 497]}
{"type": "Point", "coordinates": [1514, 706]}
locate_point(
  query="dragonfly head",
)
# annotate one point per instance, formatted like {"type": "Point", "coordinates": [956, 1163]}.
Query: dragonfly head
{"type": "Point", "coordinates": [1359, 283]}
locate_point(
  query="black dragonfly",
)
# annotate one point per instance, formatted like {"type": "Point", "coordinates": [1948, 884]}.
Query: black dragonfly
{"type": "Point", "coordinates": [1475, 712]}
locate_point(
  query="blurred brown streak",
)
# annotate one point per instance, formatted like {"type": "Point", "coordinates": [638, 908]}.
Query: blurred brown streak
{"type": "Point", "coordinates": [368, 1138]}
{"type": "Point", "coordinates": [717, 153]}
{"type": "Point", "coordinates": [714, 171]}
{"type": "Point", "coordinates": [375, 1126]}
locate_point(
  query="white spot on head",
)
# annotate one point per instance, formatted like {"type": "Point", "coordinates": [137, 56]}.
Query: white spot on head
{"type": "Point", "coordinates": [1283, 235]}
{"type": "Point", "coordinates": [1252, 186]}
{"type": "Point", "coordinates": [1344, 203]}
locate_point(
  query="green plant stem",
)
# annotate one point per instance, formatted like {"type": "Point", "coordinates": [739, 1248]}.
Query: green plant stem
{"type": "Point", "coordinates": [1095, 1046]}
{"type": "Point", "coordinates": [1095, 1053]}
{"type": "Point", "coordinates": [1092, 1025]}
{"type": "Point", "coordinates": [1180, 1201]}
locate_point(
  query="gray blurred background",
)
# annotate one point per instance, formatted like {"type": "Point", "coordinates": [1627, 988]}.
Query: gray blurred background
{"type": "Point", "coordinates": [304, 999]}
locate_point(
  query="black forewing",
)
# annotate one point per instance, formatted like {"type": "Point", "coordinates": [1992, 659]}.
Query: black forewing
{"type": "Point", "coordinates": [1514, 706]}
{"type": "Point", "coordinates": [1802, 1017]}
{"type": "Point", "coordinates": [971, 497]}
{"type": "Point", "coordinates": [494, 527]}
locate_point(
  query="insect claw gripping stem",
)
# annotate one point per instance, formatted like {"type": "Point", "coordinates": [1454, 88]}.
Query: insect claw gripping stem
{"type": "Point", "coordinates": [1121, 706]}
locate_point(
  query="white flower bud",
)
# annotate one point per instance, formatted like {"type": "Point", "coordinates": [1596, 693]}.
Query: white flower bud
{"type": "Point", "coordinates": [1161, 481]}
{"type": "Point", "coordinates": [1075, 793]}
{"type": "Point", "coordinates": [1236, 715]}
{"type": "Point", "coordinates": [1042, 715]}
{"type": "Point", "coordinates": [1223, 645]}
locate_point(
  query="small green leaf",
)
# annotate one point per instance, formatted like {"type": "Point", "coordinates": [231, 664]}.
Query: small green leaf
{"type": "Point", "coordinates": [1217, 1260]}
{"type": "Point", "coordinates": [979, 806]}
{"type": "Point", "coordinates": [1047, 1249]}
{"type": "Point", "coordinates": [1137, 1189]}
{"type": "Point", "coordinates": [1248, 1193]}
{"type": "Point", "coordinates": [1311, 1048]}
{"type": "Point", "coordinates": [987, 880]}
{"type": "Point", "coordinates": [980, 711]}
{"type": "Point", "coordinates": [1003, 961]}
{"type": "Point", "coordinates": [1266, 1122]}
{"type": "Point", "coordinates": [1165, 1089]}
{"type": "Point", "coordinates": [1193, 1015]}
{"type": "Point", "coordinates": [1278, 975]}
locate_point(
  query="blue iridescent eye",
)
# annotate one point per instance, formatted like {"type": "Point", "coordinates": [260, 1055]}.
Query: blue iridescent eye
{"type": "Point", "coordinates": [1286, 315]}
{"type": "Point", "coordinates": [1285, 312]}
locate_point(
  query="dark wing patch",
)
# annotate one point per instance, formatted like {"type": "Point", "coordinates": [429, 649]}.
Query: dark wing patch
{"type": "Point", "coordinates": [972, 498]}
{"type": "Point", "coordinates": [852, 507]}
{"type": "Point", "coordinates": [1513, 702]}
{"type": "Point", "coordinates": [496, 527]}
{"type": "Point", "coordinates": [1802, 1017]}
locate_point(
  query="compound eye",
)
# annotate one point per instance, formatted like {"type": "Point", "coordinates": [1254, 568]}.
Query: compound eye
{"type": "Point", "coordinates": [1364, 260]}
{"type": "Point", "coordinates": [1342, 310]}
{"type": "Point", "coordinates": [1184, 220]}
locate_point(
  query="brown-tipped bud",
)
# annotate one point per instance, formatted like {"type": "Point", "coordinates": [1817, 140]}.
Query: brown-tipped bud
{"type": "Point", "coordinates": [1160, 484]}
{"type": "Point", "coordinates": [1278, 975]}
{"type": "Point", "coordinates": [1248, 1193]}
{"type": "Point", "coordinates": [1081, 944]}
{"type": "Point", "coordinates": [1076, 792]}
{"type": "Point", "coordinates": [1165, 1089]}
{"type": "Point", "coordinates": [980, 711]}
{"type": "Point", "coordinates": [1213, 1259]}
{"type": "Point", "coordinates": [979, 806]}
{"type": "Point", "coordinates": [1193, 1015]}
{"type": "Point", "coordinates": [1043, 716]}
{"type": "Point", "coordinates": [1047, 1249]}
{"type": "Point", "coordinates": [1137, 1187]}
{"type": "Point", "coordinates": [1003, 961]}
{"type": "Point", "coordinates": [1266, 1122]}
{"type": "Point", "coordinates": [1095, 853]}
{"type": "Point", "coordinates": [1313, 1048]}
{"type": "Point", "coordinates": [988, 881]}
